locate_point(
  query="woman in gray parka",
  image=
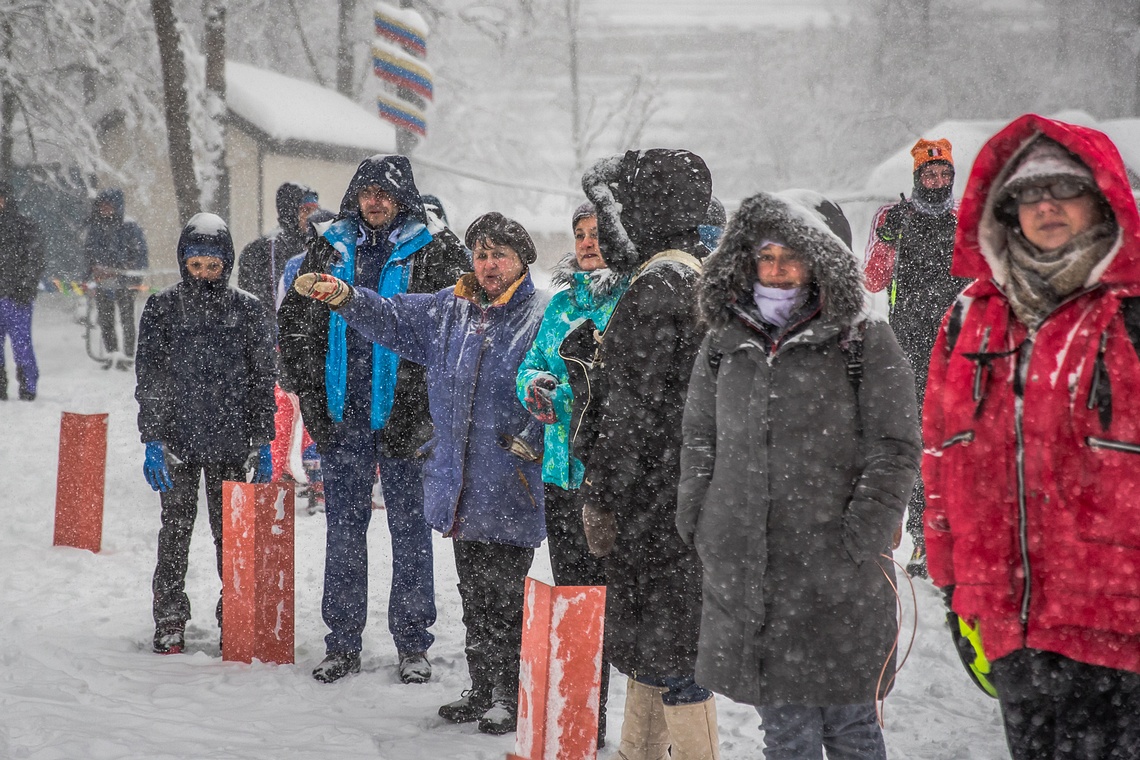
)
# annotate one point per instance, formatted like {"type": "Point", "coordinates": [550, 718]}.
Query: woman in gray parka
{"type": "Point", "coordinates": [801, 445]}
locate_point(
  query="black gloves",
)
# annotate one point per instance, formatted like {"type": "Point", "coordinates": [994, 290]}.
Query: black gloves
{"type": "Point", "coordinates": [894, 220]}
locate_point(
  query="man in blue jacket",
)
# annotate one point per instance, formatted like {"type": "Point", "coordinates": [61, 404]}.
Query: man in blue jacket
{"type": "Point", "coordinates": [116, 256]}
{"type": "Point", "coordinates": [364, 407]}
{"type": "Point", "coordinates": [205, 375]}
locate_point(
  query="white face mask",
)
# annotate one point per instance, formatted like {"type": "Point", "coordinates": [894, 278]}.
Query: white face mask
{"type": "Point", "coordinates": [777, 304]}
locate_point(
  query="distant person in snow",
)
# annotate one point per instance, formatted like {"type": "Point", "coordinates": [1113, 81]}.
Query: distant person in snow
{"type": "Point", "coordinates": [712, 227]}
{"type": "Point", "coordinates": [205, 375]}
{"type": "Point", "coordinates": [116, 252]}
{"type": "Point", "coordinates": [909, 253]}
{"type": "Point", "coordinates": [263, 260]}
{"type": "Point", "coordinates": [365, 406]}
{"type": "Point", "coordinates": [482, 473]}
{"type": "Point", "coordinates": [557, 396]}
{"type": "Point", "coordinates": [1032, 431]}
{"type": "Point", "coordinates": [649, 205]}
{"type": "Point", "coordinates": [801, 446]}
{"type": "Point", "coordinates": [21, 266]}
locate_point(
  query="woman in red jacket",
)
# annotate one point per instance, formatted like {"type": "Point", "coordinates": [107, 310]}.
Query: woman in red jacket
{"type": "Point", "coordinates": [1032, 438]}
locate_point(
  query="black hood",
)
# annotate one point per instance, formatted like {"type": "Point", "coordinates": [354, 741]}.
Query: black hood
{"type": "Point", "coordinates": [113, 196]}
{"type": "Point", "coordinates": [802, 220]}
{"type": "Point", "coordinates": [648, 201]}
{"type": "Point", "coordinates": [394, 176]}
{"type": "Point", "coordinates": [208, 229]}
{"type": "Point", "coordinates": [289, 198]}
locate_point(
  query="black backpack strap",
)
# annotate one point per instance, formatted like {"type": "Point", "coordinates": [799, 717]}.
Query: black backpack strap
{"type": "Point", "coordinates": [851, 343]}
{"type": "Point", "coordinates": [1130, 310]}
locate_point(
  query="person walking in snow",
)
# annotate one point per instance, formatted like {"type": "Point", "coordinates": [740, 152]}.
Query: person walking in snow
{"type": "Point", "coordinates": [21, 266]}
{"type": "Point", "coordinates": [589, 290]}
{"type": "Point", "coordinates": [365, 406]}
{"type": "Point", "coordinates": [801, 446]}
{"type": "Point", "coordinates": [116, 252]}
{"type": "Point", "coordinates": [482, 471]}
{"type": "Point", "coordinates": [909, 255]}
{"type": "Point", "coordinates": [263, 260]}
{"type": "Point", "coordinates": [1031, 432]}
{"type": "Point", "coordinates": [205, 375]}
{"type": "Point", "coordinates": [649, 206]}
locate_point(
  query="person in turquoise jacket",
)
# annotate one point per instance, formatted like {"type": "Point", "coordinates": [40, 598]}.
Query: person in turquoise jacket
{"type": "Point", "coordinates": [553, 387]}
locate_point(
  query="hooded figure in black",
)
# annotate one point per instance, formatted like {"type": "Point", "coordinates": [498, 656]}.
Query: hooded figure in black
{"type": "Point", "coordinates": [205, 374]}
{"type": "Point", "coordinates": [263, 261]}
{"type": "Point", "coordinates": [365, 407]}
{"type": "Point", "coordinates": [649, 207]}
{"type": "Point", "coordinates": [116, 253]}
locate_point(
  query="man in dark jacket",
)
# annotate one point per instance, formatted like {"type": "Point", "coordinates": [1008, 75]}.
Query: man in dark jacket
{"type": "Point", "coordinates": [364, 407]}
{"type": "Point", "coordinates": [205, 392]}
{"type": "Point", "coordinates": [116, 253]}
{"type": "Point", "coordinates": [21, 265]}
{"type": "Point", "coordinates": [263, 261]}
{"type": "Point", "coordinates": [912, 242]}
{"type": "Point", "coordinates": [649, 205]}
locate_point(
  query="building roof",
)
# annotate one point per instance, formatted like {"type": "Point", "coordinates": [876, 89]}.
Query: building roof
{"type": "Point", "coordinates": [294, 117]}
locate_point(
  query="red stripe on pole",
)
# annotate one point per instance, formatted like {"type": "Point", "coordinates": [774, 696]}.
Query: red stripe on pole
{"type": "Point", "coordinates": [80, 479]}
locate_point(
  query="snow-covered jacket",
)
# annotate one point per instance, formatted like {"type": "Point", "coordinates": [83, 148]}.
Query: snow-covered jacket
{"type": "Point", "coordinates": [1032, 437]}
{"type": "Point", "coordinates": [21, 255]}
{"type": "Point", "coordinates": [116, 243]}
{"type": "Point", "coordinates": [263, 260]}
{"type": "Point", "coordinates": [649, 204]}
{"type": "Point", "coordinates": [586, 296]}
{"type": "Point", "coordinates": [205, 365]}
{"type": "Point", "coordinates": [475, 489]}
{"type": "Point", "coordinates": [313, 341]}
{"type": "Point", "coordinates": [794, 475]}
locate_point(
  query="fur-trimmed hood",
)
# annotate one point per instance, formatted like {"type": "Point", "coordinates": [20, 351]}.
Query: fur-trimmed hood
{"type": "Point", "coordinates": [803, 220]}
{"type": "Point", "coordinates": [599, 284]}
{"type": "Point", "coordinates": [647, 202]}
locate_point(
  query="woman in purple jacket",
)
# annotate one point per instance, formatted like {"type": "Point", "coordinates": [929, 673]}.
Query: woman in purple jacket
{"type": "Point", "coordinates": [483, 471]}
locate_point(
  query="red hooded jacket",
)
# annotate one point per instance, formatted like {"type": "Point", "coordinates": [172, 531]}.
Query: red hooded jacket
{"type": "Point", "coordinates": [1033, 477]}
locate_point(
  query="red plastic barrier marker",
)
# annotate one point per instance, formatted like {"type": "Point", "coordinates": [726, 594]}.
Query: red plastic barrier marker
{"type": "Point", "coordinates": [80, 480]}
{"type": "Point", "coordinates": [257, 572]}
{"type": "Point", "coordinates": [561, 672]}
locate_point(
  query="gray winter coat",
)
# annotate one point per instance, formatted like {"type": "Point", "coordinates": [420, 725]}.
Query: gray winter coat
{"type": "Point", "coordinates": [794, 475]}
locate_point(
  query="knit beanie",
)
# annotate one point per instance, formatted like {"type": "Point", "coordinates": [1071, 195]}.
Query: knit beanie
{"type": "Point", "coordinates": [1044, 159]}
{"type": "Point", "coordinates": [926, 151]}
{"type": "Point", "coordinates": [583, 211]}
{"type": "Point", "coordinates": [500, 230]}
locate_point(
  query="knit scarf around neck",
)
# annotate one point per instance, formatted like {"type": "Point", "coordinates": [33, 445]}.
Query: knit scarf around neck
{"type": "Point", "coordinates": [1040, 280]}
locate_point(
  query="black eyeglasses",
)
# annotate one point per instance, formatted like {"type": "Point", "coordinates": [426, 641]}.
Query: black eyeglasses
{"type": "Point", "coordinates": [1058, 190]}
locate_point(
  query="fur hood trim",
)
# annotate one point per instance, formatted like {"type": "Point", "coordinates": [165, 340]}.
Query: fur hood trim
{"type": "Point", "coordinates": [600, 284]}
{"type": "Point", "coordinates": [805, 221]}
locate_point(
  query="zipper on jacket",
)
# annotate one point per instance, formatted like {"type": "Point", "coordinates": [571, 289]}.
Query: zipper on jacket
{"type": "Point", "coordinates": [981, 366]}
{"type": "Point", "coordinates": [1105, 443]}
{"type": "Point", "coordinates": [1021, 371]}
{"type": "Point", "coordinates": [966, 436]}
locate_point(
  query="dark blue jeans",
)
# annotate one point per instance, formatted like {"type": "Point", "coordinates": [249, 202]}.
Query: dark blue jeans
{"type": "Point", "coordinates": [799, 732]}
{"type": "Point", "coordinates": [16, 325]}
{"type": "Point", "coordinates": [348, 467]}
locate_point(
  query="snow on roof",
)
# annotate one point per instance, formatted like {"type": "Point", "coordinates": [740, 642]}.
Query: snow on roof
{"type": "Point", "coordinates": [303, 117]}
{"type": "Point", "coordinates": [896, 173]}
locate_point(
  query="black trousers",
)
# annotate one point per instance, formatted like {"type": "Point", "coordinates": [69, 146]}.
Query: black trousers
{"type": "Point", "coordinates": [107, 302]}
{"type": "Point", "coordinates": [179, 510]}
{"type": "Point", "coordinates": [570, 557]}
{"type": "Point", "coordinates": [1055, 708]}
{"type": "Point", "coordinates": [491, 580]}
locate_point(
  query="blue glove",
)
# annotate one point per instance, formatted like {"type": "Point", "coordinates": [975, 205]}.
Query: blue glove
{"type": "Point", "coordinates": [154, 467]}
{"type": "Point", "coordinates": [264, 471]}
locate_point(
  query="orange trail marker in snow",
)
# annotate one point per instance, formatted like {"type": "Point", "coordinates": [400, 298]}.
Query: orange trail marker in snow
{"type": "Point", "coordinates": [257, 572]}
{"type": "Point", "coordinates": [80, 478]}
{"type": "Point", "coordinates": [561, 672]}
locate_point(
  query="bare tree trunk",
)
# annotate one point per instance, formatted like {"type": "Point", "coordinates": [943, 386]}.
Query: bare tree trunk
{"type": "Point", "coordinates": [216, 99]}
{"type": "Point", "coordinates": [345, 10]}
{"type": "Point", "coordinates": [575, 93]}
{"type": "Point", "coordinates": [186, 190]}
{"type": "Point", "coordinates": [7, 107]}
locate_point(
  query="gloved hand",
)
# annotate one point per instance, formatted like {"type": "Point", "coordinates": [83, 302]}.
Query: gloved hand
{"type": "Point", "coordinates": [323, 287]}
{"type": "Point", "coordinates": [968, 643]}
{"type": "Point", "coordinates": [540, 398]}
{"type": "Point", "coordinates": [894, 220]}
{"type": "Point", "coordinates": [154, 467]}
{"type": "Point", "coordinates": [601, 529]}
{"type": "Point", "coordinates": [261, 462]}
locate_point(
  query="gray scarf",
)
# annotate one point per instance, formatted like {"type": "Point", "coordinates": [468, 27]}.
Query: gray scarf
{"type": "Point", "coordinates": [1040, 280]}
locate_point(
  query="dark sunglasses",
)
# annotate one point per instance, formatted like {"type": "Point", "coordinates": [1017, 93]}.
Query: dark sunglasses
{"type": "Point", "coordinates": [1058, 190]}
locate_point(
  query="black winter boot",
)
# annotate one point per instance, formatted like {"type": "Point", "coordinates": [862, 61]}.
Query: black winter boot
{"type": "Point", "coordinates": [336, 666]}
{"type": "Point", "coordinates": [470, 706]}
{"type": "Point", "coordinates": [502, 716]}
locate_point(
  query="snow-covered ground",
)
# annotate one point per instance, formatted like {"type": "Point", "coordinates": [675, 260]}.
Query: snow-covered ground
{"type": "Point", "coordinates": [78, 679]}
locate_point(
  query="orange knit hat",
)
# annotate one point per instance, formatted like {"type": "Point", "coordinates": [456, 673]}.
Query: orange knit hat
{"type": "Point", "coordinates": [925, 151]}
